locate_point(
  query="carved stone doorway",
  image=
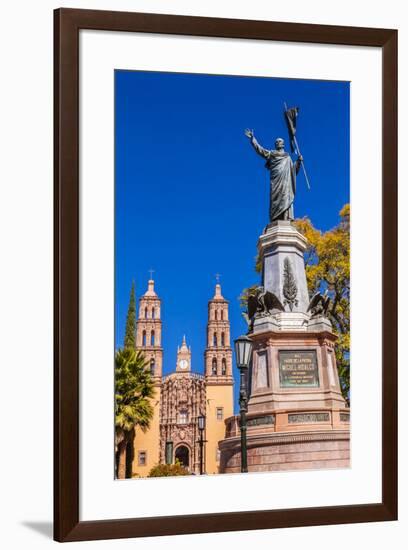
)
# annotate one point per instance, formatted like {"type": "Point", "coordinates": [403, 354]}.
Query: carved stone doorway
{"type": "Point", "coordinates": [182, 454]}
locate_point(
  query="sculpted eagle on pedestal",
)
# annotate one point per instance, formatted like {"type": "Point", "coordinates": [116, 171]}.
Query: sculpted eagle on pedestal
{"type": "Point", "coordinates": [319, 304]}
{"type": "Point", "coordinates": [261, 303]}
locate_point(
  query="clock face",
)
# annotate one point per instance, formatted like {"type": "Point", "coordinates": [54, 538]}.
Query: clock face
{"type": "Point", "coordinates": [183, 363]}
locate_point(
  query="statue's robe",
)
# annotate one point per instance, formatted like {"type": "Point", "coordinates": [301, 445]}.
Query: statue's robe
{"type": "Point", "coordinates": [282, 185]}
{"type": "Point", "coordinates": [282, 182]}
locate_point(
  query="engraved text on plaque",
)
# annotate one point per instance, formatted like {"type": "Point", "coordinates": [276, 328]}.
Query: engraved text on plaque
{"type": "Point", "coordinates": [298, 368]}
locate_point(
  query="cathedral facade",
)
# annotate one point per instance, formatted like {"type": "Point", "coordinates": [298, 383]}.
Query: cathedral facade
{"type": "Point", "coordinates": [182, 396]}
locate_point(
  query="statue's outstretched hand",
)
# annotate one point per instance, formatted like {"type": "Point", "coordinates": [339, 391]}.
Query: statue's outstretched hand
{"type": "Point", "coordinates": [249, 133]}
{"type": "Point", "coordinates": [300, 158]}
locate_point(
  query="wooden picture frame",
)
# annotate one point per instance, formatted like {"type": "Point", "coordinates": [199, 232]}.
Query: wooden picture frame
{"type": "Point", "coordinates": [67, 24]}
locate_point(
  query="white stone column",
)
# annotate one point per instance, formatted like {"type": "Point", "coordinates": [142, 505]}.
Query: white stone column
{"type": "Point", "coordinates": [282, 240]}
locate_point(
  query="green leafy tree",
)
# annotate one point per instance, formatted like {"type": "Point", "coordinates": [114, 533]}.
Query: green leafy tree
{"type": "Point", "coordinates": [165, 470]}
{"type": "Point", "coordinates": [133, 393]}
{"type": "Point", "coordinates": [130, 331]}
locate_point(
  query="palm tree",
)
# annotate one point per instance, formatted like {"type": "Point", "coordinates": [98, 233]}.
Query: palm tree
{"type": "Point", "coordinates": [133, 391]}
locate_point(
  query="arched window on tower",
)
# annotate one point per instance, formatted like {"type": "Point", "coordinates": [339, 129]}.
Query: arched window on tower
{"type": "Point", "coordinates": [224, 366]}
{"type": "Point", "coordinates": [145, 312]}
{"type": "Point", "coordinates": [183, 417]}
{"type": "Point", "coordinates": [222, 339]}
{"type": "Point", "coordinates": [214, 366]}
{"type": "Point", "coordinates": [222, 315]}
{"type": "Point", "coordinates": [152, 367]}
{"type": "Point", "coordinates": [216, 315]}
{"type": "Point", "coordinates": [215, 339]}
{"type": "Point", "coordinates": [144, 338]}
{"type": "Point", "coordinates": [152, 338]}
{"type": "Point", "coordinates": [153, 313]}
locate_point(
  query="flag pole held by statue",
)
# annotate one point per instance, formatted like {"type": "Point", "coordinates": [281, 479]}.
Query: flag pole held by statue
{"type": "Point", "coordinates": [290, 119]}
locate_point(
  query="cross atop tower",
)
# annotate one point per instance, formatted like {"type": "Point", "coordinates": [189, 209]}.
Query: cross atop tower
{"type": "Point", "coordinates": [217, 277]}
{"type": "Point", "coordinates": [151, 271]}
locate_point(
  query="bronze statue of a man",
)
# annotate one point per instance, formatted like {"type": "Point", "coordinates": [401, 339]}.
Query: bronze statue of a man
{"type": "Point", "coordinates": [282, 177]}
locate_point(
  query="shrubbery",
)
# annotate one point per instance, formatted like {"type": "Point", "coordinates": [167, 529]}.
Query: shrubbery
{"type": "Point", "coordinates": [165, 470]}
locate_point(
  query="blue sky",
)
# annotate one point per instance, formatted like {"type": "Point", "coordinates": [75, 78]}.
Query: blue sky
{"type": "Point", "coordinates": [191, 195]}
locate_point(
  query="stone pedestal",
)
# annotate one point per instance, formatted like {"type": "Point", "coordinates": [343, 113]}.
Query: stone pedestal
{"type": "Point", "coordinates": [294, 370]}
{"type": "Point", "coordinates": [310, 449]}
{"type": "Point", "coordinates": [281, 248]}
{"type": "Point", "coordinates": [297, 416]}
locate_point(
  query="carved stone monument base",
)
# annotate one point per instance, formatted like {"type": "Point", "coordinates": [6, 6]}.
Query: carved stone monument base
{"type": "Point", "coordinates": [297, 416]}
{"type": "Point", "coordinates": [312, 449]}
{"type": "Point", "coordinates": [293, 369]}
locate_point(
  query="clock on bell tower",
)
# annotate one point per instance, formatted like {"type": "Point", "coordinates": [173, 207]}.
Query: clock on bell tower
{"type": "Point", "coordinates": [183, 357]}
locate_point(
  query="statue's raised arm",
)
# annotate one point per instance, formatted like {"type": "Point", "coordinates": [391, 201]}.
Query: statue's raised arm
{"type": "Point", "coordinates": [258, 148]}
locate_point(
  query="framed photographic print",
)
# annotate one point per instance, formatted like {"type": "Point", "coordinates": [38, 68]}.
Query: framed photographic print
{"type": "Point", "coordinates": [225, 274]}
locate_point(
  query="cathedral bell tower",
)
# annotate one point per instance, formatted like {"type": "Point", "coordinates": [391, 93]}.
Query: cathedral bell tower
{"type": "Point", "coordinates": [148, 341]}
{"type": "Point", "coordinates": [149, 331]}
{"type": "Point", "coordinates": [218, 376]}
{"type": "Point", "coordinates": [218, 353]}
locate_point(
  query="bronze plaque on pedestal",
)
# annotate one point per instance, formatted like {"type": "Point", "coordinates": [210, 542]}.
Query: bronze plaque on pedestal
{"type": "Point", "coordinates": [298, 369]}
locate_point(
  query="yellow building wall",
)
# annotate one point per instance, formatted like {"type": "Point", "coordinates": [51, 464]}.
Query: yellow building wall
{"type": "Point", "coordinates": [217, 396]}
{"type": "Point", "coordinates": [148, 441]}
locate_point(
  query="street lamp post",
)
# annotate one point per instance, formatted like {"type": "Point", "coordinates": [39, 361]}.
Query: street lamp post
{"type": "Point", "coordinates": [243, 350]}
{"type": "Point", "coordinates": [201, 428]}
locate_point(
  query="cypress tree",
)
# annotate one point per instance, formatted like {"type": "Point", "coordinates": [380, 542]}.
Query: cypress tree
{"type": "Point", "coordinates": [130, 332]}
